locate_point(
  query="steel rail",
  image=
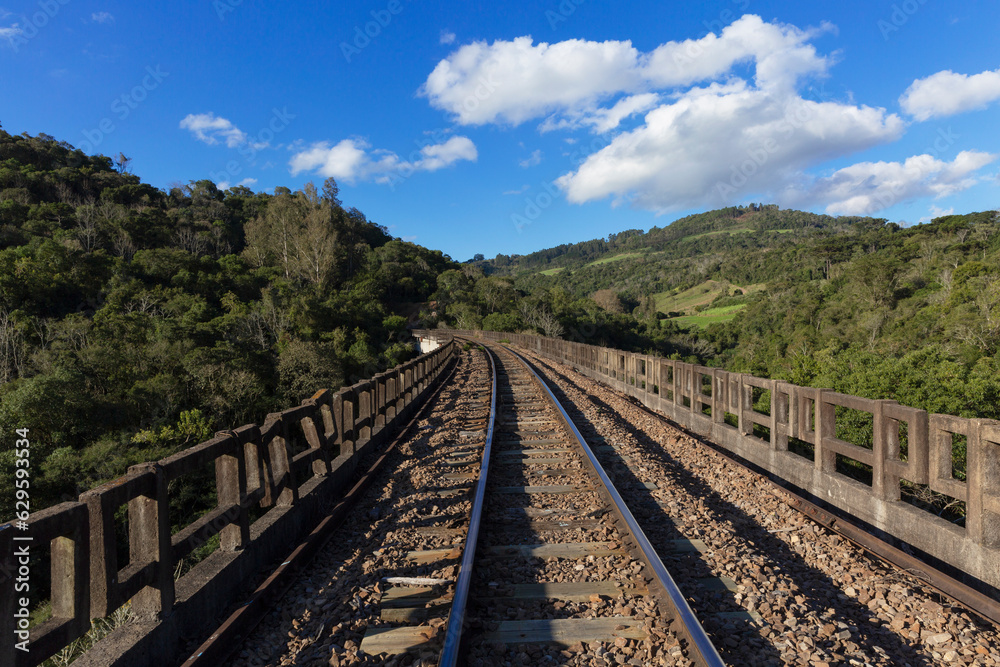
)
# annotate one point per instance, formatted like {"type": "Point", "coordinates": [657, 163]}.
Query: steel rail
{"type": "Point", "coordinates": [969, 597]}
{"type": "Point", "coordinates": [456, 618]}
{"type": "Point", "coordinates": [229, 636]}
{"type": "Point", "coordinates": [707, 654]}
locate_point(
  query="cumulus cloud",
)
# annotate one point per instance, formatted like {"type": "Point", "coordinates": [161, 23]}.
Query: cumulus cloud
{"type": "Point", "coordinates": [246, 182]}
{"type": "Point", "coordinates": [947, 93]}
{"type": "Point", "coordinates": [936, 212]}
{"type": "Point", "coordinates": [354, 160]}
{"type": "Point", "coordinates": [211, 129]}
{"type": "Point", "coordinates": [447, 37]}
{"type": "Point", "coordinates": [516, 81]}
{"type": "Point", "coordinates": [9, 33]}
{"type": "Point", "coordinates": [716, 141]}
{"type": "Point", "coordinates": [602, 120]}
{"type": "Point", "coordinates": [868, 187]}
{"type": "Point", "coordinates": [102, 17]}
{"type": "Point", "coordinates": [534, 159]}
{"type": "Point", "coordinates": [707, 122]}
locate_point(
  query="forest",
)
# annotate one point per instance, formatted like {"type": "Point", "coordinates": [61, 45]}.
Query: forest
{"type": "Point", "coordinates": [136, 321]}
{"type": "Point", "coordinates": [860, 305]}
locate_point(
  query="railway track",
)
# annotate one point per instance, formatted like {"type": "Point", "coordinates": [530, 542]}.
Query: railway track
{"type": "Point", "coordinates": [553, 564]}
{"type": "Point", "coordinates": [770, 586]}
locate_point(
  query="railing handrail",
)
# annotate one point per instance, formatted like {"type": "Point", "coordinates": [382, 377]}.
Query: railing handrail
{"type": "Point", "coordinates": [253, 465]}
{"type": "Point", "coordinates": [810, 415]}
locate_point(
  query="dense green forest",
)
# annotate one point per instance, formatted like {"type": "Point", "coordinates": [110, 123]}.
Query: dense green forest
{"type": "Point", "coordinates": [860, 305]}
{"type": "Point", "coordinates": [135, 322]}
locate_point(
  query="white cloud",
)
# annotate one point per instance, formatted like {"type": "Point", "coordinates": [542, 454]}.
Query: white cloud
{"type": "Point", "coordinates": [353, 160]}
{"type": "Point", "coordinates": [246, 182]}
{"type": "Point", "coordinates": [602, 120]}
{"type": "Point", "coordinates": [779, 51]}
{"type": "Point", "coordinates": [868, 187]}
{"type": "Point", "coordinates": [211, 129]}
{"type": "Point", "coordinates": [718, 140]}
{"type": "Point", "coordinates": [707, 122]}
{"type": "Point", "coordinates": [102, 17]}
{"type": "Point", "coordinates": [515, 81]}
{"type": "Point", "coordinates": [936, 212]}
{"type": "Point", "coordinates": [447, 37]}
{"type": "Point", "coordinates": [10, 33]}
{"type": "Point", "coordinates": [520, 191]}
{"type": "Point", "coordinates": [947, 93]}
{"type": "Point", "coordinates": [535, 159]}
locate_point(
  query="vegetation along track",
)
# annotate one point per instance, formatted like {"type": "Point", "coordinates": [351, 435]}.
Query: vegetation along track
{"type": "Point", "coordinates": [769, 585]}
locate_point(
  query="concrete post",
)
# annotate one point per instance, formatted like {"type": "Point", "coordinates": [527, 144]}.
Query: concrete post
{"type": "Point", "coordinates": [781, 415]}
{"type": "Point", "coordinates": [743, 403]}
{"type": "Point", "coordinates": [719, 378]}
{"type": "Point", "coordinates": [316, 438]}
{"type": "Point", "coordinates": [337, 412]}
{"type": "Point", "coordinates": [983, 477]}
{"type": "Point", "coordinates": [230, 488]}
{"type": "Point", "coordinates": [281, 460]}
{"type": "Point", "coordinates": [70, 559]}
{"type": "Point", "coordinates": [826, 425]}
{"type": "Point", "coordinates": [149, 541]}
{"type": "Point", "coordinates": [885, 438]}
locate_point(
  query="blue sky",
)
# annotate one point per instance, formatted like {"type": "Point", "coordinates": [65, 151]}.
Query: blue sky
{"type": "Point", "coordinates": [507, 128]}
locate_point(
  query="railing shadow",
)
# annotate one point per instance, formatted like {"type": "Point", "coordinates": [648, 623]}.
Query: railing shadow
{"type": "Point", "coordinates": [867, 633]}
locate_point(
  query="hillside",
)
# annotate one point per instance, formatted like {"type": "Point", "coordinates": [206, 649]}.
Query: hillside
{"type": "Point", "coordinates": [134, 322]}
{"type": "Point", "coordinates": [738, 246]}
{"type": "Point", "coordinates": [759, 225]}
{"type": "Point", "coordinates": [861, 305]}
{"type": "Point", "coordinates": [153, 318]}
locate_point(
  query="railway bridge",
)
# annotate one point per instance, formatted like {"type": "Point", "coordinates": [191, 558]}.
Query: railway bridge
{"type": "Point", "coordinates": [510, 499]}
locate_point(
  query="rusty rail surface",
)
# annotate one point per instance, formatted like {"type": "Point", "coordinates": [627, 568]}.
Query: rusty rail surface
{"type": "Point", "coordinates": [701, 399]}
{"type": "Point", "coordinates": [292, 466]}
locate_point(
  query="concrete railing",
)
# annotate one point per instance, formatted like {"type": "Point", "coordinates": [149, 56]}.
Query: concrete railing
{"type": "Point", "coordinates": [294, 466]}
{"type": "Point", "coordinates": [700, 399]}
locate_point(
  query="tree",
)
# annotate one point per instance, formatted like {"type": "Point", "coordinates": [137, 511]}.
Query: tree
{"type": "Point", "coordinates": [331, 192]}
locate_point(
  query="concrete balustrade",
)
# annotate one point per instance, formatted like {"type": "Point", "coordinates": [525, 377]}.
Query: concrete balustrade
{"type": "Point", "coordinates": [294, 466]}
{"type": "Point", "coordinates": [808, 416]}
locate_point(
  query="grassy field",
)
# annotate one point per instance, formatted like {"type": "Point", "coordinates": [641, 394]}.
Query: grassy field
{"type": "Point", "coordinates": [706, 317]}
{"type": "Point", "coordinates": [552, 272]}
{"type": "Point", "coordinates": [616, 258]}
{"type": "Point", "coordinates": [699, 295]}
